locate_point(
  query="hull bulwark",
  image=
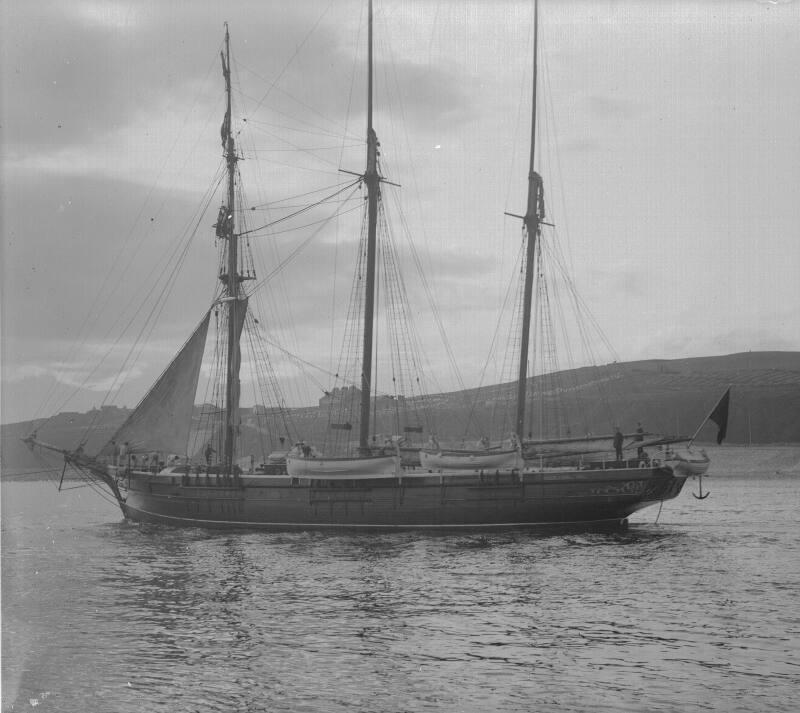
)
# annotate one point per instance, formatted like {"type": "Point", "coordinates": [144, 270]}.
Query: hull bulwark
{"type": "Point", "coordinates": [414, 501]}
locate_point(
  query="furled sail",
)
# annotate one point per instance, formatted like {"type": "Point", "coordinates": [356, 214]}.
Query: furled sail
{"type": "Point", "coordinates": [162, 420]}
{"type": "Point", "coordinates": [238, 313]}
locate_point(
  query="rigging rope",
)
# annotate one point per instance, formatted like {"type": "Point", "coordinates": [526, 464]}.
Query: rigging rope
{"type": "Point", "coordinates": [299, 249]}
{"type": "Point", "coordinates": [110, 275]}
{"type": "Point", "coordinates": [179, 255]}
{"type": "Point", "coordinates": [305, 209]}
{"type": "Point", "coordinates": [291, 59]}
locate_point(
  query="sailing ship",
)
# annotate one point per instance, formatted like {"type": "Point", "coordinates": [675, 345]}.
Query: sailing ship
{"type": "Point", "coordinates": [492, 488]}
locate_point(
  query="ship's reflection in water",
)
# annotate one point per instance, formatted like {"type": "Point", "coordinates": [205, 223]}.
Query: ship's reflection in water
{"type": "Point", "coordinates": [101, 615]}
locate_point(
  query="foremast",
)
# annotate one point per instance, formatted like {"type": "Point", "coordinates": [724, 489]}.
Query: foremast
{"type": "Point", "coordinates": [532, 222]}
{"type": "Point", "coordinates": [372, 180]}
{"type": "Point", "coordinates": [229, 276]}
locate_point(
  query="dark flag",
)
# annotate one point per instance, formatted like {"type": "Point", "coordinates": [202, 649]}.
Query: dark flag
{"type": "Point", "coordinates": [720, 416]}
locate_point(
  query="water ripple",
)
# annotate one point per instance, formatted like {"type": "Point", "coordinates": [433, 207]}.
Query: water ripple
{"type": "Point", "coordinates": [700, 613]}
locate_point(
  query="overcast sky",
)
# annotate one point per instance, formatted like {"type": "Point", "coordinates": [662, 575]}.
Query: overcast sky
{"type": "Point", "coordinates": [669, 149]}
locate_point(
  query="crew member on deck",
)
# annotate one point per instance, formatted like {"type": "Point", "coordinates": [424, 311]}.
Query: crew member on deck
{"type": "Point", "coordinates": [639, 437]}
{"type": "Point", "coordinates": [618, 438]}
{"type": "Point", "coordinates": [209, 452]}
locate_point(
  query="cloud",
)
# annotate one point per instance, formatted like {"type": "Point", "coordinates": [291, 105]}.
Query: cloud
{"type": "Point", "coordinates": [751, 339]}
{"type": "Point", "coordinates": [72, 244]}
{"type": "Point", "coordinates": [56, 70]}
{"type": "Point", "coordinates": [625, 279]}
{"type": "Point", "coordinates": [111, 114]}
{"type": "Point", "coordinates": [607, 107]}
{"type": "Point", "coordinates": [678, 339]}
{"type": "Point", "coordinates": [107, 14]}
{"type": "Point", "coordinates": [73, 375]}
{"type": "Point", "coordinates": [581, 145]}
{"type": "Point", "coordinates": [109, 63]}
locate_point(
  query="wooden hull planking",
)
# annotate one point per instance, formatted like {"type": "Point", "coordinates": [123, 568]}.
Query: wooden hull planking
{"type": "Point", "coordinates": [413, 501]}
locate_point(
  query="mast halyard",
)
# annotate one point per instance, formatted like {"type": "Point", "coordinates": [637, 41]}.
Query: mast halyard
{"type": "Point", "coordinates": [372, 180]}
{"type": "Point", "coordinates": [230, 278]}
{"type": "Point", "coordinates": [532, 220]}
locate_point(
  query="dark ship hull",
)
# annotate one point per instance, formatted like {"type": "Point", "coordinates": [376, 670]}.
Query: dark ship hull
{"type": "Point", "coordinates": [418, 500]}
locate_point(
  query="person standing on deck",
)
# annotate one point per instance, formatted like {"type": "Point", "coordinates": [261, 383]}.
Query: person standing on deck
{"type": "Point", "coordinates": [209, 452]}
{"type": "Point", "coordinates": [618, 438]}
{"type": "Point", "coordinates": [639, 437]}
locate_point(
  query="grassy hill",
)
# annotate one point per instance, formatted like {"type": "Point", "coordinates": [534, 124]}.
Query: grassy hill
{"type": "Point", "coordinates": [666, 395]}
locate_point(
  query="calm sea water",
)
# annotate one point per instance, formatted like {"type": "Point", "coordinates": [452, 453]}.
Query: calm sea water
{"type": "Point", "coordinates": [697, 611]}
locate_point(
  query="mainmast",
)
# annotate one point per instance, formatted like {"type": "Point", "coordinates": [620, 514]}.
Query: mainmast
{"type": "Point", "coordinates": [532, 220]}
{"type": "Point", "coordinates": [372, 180]}
{"type": "Point", "coordinates": [229, 276]}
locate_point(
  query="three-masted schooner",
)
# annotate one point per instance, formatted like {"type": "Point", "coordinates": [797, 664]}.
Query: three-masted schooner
{"type": "Point", "coordinates": [494, 489]}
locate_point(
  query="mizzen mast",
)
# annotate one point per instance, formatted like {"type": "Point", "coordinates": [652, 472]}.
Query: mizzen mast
{"type": "Point", "coordinates": [372, 180]}
{"type": "Point", "coordinates": [229, 275]}
{"type": "Point", "coordinates": [532, 220]}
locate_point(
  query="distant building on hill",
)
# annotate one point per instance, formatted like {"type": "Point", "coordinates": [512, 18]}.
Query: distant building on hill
{"type": "Point", "coordinates": [350, 396]}
{"type": "Point", "coordinates": [341, 396]}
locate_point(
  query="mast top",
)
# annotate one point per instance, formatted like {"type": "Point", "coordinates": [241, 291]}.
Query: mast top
{"type": "Point", "coordinates": [371, 173]}
{"type": "Point", "coordinates": [534, 212]}
{"type": "Point", "coordinates": [369, 70]}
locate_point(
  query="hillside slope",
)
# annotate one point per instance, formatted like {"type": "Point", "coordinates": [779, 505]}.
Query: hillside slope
{"type": "Point", "coordinates": [666, 395]}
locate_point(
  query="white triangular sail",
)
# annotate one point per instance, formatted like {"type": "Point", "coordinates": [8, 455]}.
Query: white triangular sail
{"type": "Point", "coordinates": [162, 420]}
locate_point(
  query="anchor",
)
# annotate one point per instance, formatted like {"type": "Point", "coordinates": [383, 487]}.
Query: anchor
{"type": "Point", "coordinates": [701, 496]}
